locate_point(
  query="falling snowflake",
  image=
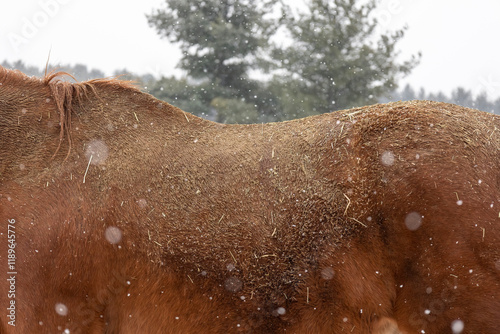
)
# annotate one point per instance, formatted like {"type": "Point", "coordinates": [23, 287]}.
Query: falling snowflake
{"type": "Point", "coordinates": [387, 158]}
{"type": "Point", "coordinates": [327, 273]}
{"type": "Point", "coordinates": [96, 152]}
{"type": "Point", "coordinates": [113, 234]}
{"type": "Point", "coordinates": [457, 326]}
{"type": "Point", "coordinates": [233, 284]}
{"type": "Point", "coordinates": [413, 221]}
{"type": "Point", "coordinates": [61, 309]}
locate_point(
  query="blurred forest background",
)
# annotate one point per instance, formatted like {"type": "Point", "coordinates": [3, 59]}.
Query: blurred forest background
{"type": "Point", "coordinates": [248, 61]}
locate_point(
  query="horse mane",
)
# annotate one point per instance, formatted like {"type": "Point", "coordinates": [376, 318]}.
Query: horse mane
{"type": "Point", "coordinates": [66, 93]}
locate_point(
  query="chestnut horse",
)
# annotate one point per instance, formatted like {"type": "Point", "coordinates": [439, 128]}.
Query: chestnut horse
{"type": "Point", "coordinates": [123, 214]}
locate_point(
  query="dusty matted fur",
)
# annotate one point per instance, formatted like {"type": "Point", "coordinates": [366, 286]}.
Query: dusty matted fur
{"type": "Point", "coordinates": [133, 216]}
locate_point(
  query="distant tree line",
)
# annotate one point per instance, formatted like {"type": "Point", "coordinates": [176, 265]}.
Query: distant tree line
{"type": "Point", "coordinates": [79, 71]}
{"type": "Point", "coordinates": [459, 95]}
{"type": "Point", "coordinates": [188, 95]}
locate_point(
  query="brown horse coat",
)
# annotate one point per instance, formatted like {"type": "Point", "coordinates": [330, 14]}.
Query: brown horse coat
{"type": "Point", "coordinates": [132, 216]}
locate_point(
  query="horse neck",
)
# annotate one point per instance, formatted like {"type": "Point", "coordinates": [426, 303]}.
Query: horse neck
{"type": "Point", "coordinates": [42, 120]}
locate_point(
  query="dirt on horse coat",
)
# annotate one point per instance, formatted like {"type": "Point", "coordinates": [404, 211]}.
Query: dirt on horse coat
{"type": "Point", "coordinates": [123, 214]}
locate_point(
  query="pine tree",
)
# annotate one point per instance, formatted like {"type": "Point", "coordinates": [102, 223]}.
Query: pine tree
{"type": "Point", "coordinates": [220, 39]}
{"type": "Point", "coordinates": [333, 58]}
{"type": "Point", "coordinates": [408, 93]}
{"type": "Point", "coordinates": [462, 97]}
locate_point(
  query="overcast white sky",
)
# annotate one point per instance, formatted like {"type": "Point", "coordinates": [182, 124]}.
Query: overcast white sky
{"type": "Point", "coordinates": [458, 38]}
